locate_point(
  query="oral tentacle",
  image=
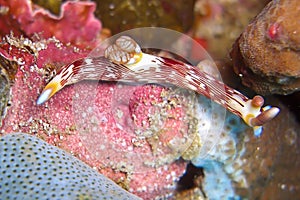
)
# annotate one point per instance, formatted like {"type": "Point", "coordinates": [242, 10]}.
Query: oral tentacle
{"type": "Point", "coordinates": [124, 61]}
{"type": "Point", "coordinates": [264, 117]}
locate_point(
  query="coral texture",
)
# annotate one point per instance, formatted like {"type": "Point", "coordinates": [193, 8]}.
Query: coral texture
{"type": "Point", "coordinates": [70, 122]}
{"type": "Point", "coordinates": [266, 55]}
{"type": "Point", "coordinates": [58, 123]}
{"type": "Point", "coordinates": [76, 23]}
{"type": "Point", "coordinates": [33, 169]}
{"type": "Point", "coordinates": [134, 134]}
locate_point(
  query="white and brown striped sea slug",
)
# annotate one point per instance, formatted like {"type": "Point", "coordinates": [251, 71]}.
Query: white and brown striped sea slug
{"type": "Point", "coordinates": [124, 61]}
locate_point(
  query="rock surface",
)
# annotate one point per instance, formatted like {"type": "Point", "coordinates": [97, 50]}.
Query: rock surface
{"type": "Point", "coordinates": [266, 55]}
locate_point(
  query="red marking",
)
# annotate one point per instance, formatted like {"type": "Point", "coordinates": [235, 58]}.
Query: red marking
{"type": "Point", "coordinates": [75, 69]}
{"type": "Point", "coordinates": [78, 62]}
{"type": "Point", "coordinates": [63, 82]}
{"type": "Point", "coordinates": [176, 65]}
{"type": "Point", "coordinates": [65, 73]}
{"type": "Point", "coordinates": [213, 86]}
{"type": "Point", "coordinates": [273, 31]}
{"type": "Point", "coordinates": [171, 62]}
{"type": "Point", "coordinates": [77, 66]}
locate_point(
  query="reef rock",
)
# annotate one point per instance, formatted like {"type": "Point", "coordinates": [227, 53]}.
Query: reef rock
{"type": "Point", "coordinates": [266, 55]}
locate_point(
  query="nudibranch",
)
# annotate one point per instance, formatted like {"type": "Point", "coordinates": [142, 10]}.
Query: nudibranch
{"type": "Point", "coordinates": [124, 61]}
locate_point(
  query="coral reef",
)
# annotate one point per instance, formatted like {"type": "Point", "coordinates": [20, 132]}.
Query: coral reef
{"type": "Point", "coordinates": [218, 23]}
{"type": "Point", "coordinates": [120, 16]}
{"type": "Point", "coordinates": [140, 136]}
{"type": "Point", "coordinates": [38, 58]}
{"type": "Point", "coordinates": [33, 169]}
{"type": "Point", "coordinates": [215, 148]}
{"type": "Point", "coordinates": [266, 55]}
{"type": "Point", "coordinates": [261, 168]}
{"type": "Point", "coordinates": [54, 6]}
{"type": "Point", "coordinates": [271, 162]}
{"type": "Point", "coordinates": [24, 17]}
{"type": "Point", "coordinates": [61, 125]}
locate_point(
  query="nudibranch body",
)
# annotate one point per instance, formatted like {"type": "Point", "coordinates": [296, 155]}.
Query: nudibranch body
{"type": "Point", "coordinates": [124, 61]}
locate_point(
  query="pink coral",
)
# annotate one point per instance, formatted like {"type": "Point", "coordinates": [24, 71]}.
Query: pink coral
{"type": "Point", "coordinates": [61, 121]}
{"type": "Point", "coordinates": [59, 125]}
{"type": "Point", "coordinates": [76, 23]}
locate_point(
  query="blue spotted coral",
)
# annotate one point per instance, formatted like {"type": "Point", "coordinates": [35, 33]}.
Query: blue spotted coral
{"type": "Point", "coordinates": [32, 169]}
